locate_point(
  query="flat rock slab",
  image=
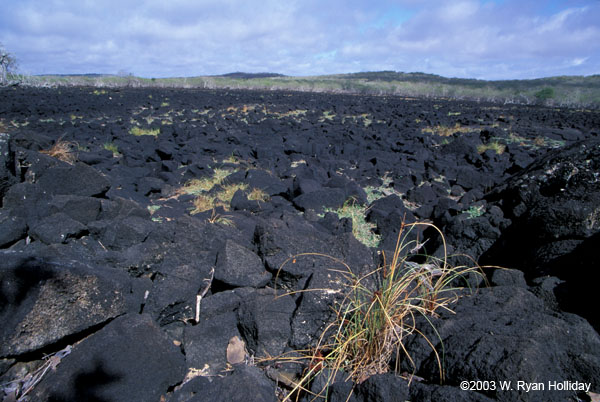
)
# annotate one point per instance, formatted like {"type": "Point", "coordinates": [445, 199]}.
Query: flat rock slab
{"type": "Point", "coordinates": [237, 266]}
{"type": "Point", "coordinates": [46, 300]}
{"type": "Point", "coordinates": [130, 359]}
{"type": "Point", "coordinates": [79, 179]}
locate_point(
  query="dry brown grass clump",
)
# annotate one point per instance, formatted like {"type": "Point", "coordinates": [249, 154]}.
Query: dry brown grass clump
{"type": "Point", "coordinates": [62, 150]}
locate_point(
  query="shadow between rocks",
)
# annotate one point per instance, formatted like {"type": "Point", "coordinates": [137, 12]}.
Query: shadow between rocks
{"type": "Point", "coordinates": [88, 385]}
{"type": "Point", "coordinates": [16, 284]}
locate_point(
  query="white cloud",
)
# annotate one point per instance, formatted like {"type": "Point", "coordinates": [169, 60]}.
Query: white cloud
{"type": "Point", "coordinates": [509, 39]}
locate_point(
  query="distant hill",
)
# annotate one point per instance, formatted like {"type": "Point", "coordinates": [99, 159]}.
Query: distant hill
{"type": "Point", "coordinates": [90, 75]}
{"type": "Point", "coordinates": [249, 76]}
{"type": "Point", "coordinates": [563, 91]}
{"type": "Point", "coordinates": [389, 76]}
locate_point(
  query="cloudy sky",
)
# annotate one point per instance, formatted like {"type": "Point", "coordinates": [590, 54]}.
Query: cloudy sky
{"type": "Point", "coordinates": [486, 39]}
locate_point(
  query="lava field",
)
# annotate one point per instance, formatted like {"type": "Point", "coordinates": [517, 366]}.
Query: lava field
{"type": "Point", "coordinates": [182, 244]}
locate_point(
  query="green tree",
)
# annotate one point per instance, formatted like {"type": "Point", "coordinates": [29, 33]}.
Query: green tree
{"type": "Point", "coordinates": [545, 94]}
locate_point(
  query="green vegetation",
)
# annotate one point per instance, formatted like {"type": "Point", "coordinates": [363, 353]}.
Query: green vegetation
{"type": "Point", "coordinates": [563, 91]}
{"type": "Point", "coordinates": [258, 195]}
{"type": "Point", "coordinates": [328, 115]}
{"type": "Point", "coordinates": [224, 220]}
{"type": "Point", "coordinates": [537, 142]}
{"type": "Point", "coordinates": [446, 131]}
{"type": "Point", "coordinates": [545, 94]}
{"type": "Point", "coordinates": [205, 202]}
{"type": "Point", "coordinates": [361, 229]}
{"type": "Point", "coordinates": [375, 193]}
{"type": "Point", "coordinates": [137, 131]}
{"type": "Point", "coordinates": [377, 312]}
{"type": "Point", "coordinates": [495, 146]}
{"type": "Point", "coordinates": [112, 147]}
{"type": "Point", "coordinates": [212, 191]}
{"type": "Point", "coordinates": [205, 184]}
{"type": "Point", "coordinates": [475, 211]}
{"type": "Point", "coordinates": [153, 208]}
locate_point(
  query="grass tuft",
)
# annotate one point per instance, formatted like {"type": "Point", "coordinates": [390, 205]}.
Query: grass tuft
{"type": "Point", "coordinates": [446, 131]}
{"type": "Point", "coordinates": [495, 146]}
{"type": "Point", "coordinates": [216, 218]}
{"type": "Point", "coordinates": [203, 203]}
{"type": "Point", "coordinates": [377, 313]}
{"type": "Point", "coordinates": [137, 131]}
{"type": "Point", "coordinates": [205, 184]}
{"type": "Point", "coordinates": [62, 150]}
{"type": "Point", "coordinates": [258, 195]}
{"type": "Point", "coordinates": [226, 194]}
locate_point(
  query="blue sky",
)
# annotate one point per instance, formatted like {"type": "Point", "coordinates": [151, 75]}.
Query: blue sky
{"type": "Point", "coordinates": [485, 39]}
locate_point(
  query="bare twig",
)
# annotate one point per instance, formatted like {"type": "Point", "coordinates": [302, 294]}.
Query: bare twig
{"type": "Point", "coordinates": [203, 293]}
{"type": "Point", "coordinates": [22, 386]}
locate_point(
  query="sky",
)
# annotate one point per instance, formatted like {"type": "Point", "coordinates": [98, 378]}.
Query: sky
{"type": "Point", "coordinates": [483, 39]}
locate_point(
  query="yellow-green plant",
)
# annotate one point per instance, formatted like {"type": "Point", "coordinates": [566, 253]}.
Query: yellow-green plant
{"type": "Point", "coordinates": [227, 192]}
{"type": "Point", "coordinates": [377, 313]}
{"type": "Point", "coordinates": [112, 147]}
{"type": "Point", "coordinates": [361, 229]}
{"type": "Point", "coordinates": [205, 198]}
{"type": "Point", "coordinates": [258, 195]}
{"type": "Point", "coordinates": [446, 131]}
{"type": "Point", "coordinates": [375, 193]}
{"type": "Point", "coordinates": [203, 203]}
{"type": "Point", "coordinates": [220, 219]}
{"type": "Point", "coordinates": [205, 184]}
{"type": "Point", "coordinates": [495, 146]}
{"type": "Point", "coordinates": [137, 131]}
